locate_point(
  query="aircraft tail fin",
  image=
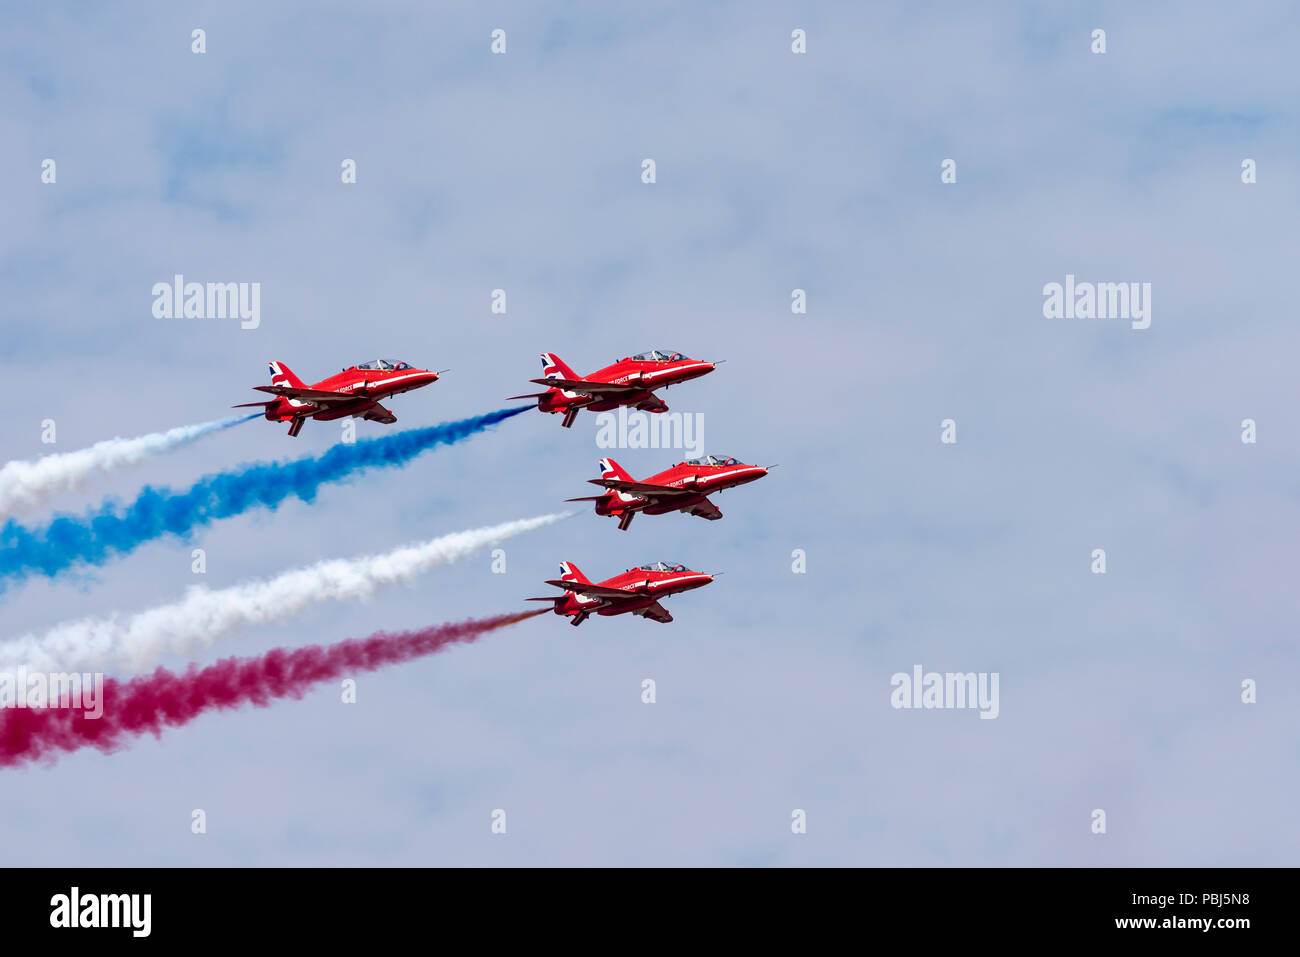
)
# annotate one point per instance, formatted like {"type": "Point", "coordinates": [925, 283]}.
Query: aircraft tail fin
{"type": "Point", "coordinates": [553, 366]}
{"type": "Point", "coordinates": [570, 572]}
{"type": "Point", "coordinates": [281, 374]}
{"type": "Point", "coordinates": [609, 469]}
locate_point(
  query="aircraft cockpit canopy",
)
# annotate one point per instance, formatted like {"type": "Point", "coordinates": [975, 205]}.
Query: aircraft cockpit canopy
{"type": "Point", "coordinates": [662, 567]}
{"type": "Point", "coordinates": [714, 460]}
{"type": "Point", "coordinates": [659, 355]}
{"type": "Point", "coordinates": [383, 365]}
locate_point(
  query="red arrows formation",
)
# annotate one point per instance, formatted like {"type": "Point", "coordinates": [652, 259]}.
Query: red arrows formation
{"type": "Point", "coordinates": [358, 390]}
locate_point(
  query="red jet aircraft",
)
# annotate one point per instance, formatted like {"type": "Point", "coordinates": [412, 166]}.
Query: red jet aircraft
{"type": "Point", "coordinates": [630, 381]}
{"type": "Point", "coordinates": [355, 391]}
{"type": "Point", "coordinates": [683, 488]}
{"type": "Point", "coordinates": [637, 590]}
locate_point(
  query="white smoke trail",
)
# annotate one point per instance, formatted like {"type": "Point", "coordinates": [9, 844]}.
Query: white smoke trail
{"type": "Point", "coordinates": [136, 642]}
{"type": "Point", "coordinates": [25, 485]}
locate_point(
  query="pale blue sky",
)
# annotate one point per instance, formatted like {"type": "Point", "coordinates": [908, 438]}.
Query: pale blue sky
{"type": "Point", "coordinates": [775, 171]}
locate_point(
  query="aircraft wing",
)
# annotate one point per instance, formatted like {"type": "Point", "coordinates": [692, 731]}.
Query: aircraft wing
{"type": "Point", "coordinates": [664, 492]}
{"type": "Point", "coordinates": [377, 413]}
{"type": "Point", "coordinates": [593, 590]}
{"type": "Point", "coordinates": [706, 509]}
{"type": "Point", "coordinates": [309, 395]}
{"type": "Point", "coordinates": [659, 613]}
{"type": "Point", "coordinates": [662, 495]}
{"type": "Point", "coordinates": [589, 388]}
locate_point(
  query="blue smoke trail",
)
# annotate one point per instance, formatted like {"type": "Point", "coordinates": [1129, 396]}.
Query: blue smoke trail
{"type": "Point", "coordinates": [99, 535]}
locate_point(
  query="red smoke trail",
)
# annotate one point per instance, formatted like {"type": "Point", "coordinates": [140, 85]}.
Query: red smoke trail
{"type": "Point", "coordinates": [164, 699]}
